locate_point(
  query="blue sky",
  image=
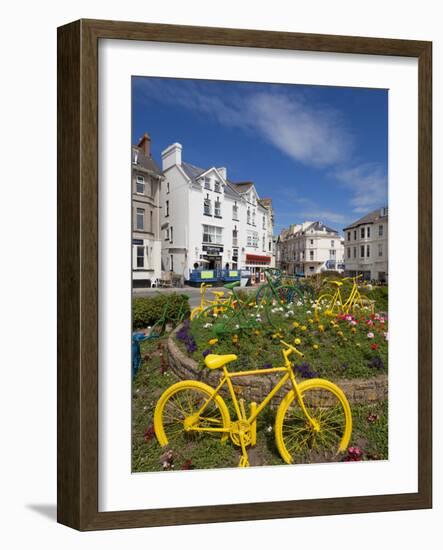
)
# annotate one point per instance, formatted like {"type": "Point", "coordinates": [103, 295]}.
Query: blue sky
{"type": "Point", "coordinates": [319, 152]}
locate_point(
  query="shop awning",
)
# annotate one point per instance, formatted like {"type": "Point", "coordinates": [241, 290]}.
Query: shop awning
{"type": "Point", "coordinates": [256, 259]}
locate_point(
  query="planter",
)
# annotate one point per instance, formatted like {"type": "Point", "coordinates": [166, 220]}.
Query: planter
{"type": "Point", "coordinates": [255, 388]}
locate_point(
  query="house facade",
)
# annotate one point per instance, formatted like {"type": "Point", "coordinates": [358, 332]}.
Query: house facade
{"type": "Point", "coordinates": [208, 221]}
{"type": "Point", "coordinates": [366, 246]}
{"type": "Point", "coordinates": [146, 241]}
{"type": "Point", "coordinates": [310, 248]}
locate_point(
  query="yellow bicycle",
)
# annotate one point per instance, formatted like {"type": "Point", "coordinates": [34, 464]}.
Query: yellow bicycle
{"type": "Point", "coordinates": [219, 300]}
{"type": "Point", "coordinates": [313, 420]}
{"type": "Point", "coordinates": [334, 303]}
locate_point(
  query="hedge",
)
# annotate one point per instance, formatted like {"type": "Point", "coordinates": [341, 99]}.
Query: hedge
{"type": "Point", "coordinates": [147, 310]}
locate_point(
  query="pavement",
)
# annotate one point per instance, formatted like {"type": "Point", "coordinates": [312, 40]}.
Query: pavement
{"type": "Point", "coordinates": [192, 292]}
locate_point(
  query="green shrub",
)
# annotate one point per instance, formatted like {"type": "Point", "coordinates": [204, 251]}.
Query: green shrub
{"type": "Point", "coordinates": [380, 295]}
{"type": "Point", "coordinates": [147, 310]}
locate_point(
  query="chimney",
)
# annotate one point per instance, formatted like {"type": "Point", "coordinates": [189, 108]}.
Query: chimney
{"type": "Point", "coordinates": [223, 172]}
{"type": "Point", "coordinates": [171, 156]}
{"type": "Point", "coordinates": [145, 144]}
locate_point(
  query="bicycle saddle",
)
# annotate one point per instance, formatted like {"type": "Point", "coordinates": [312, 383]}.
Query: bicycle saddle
{"type": "Point", "coordinates": [338, 283]}
{"type": "Point", "coordinates": [213, 361]}
{"type": "Point", "coordinates": [218, 293]}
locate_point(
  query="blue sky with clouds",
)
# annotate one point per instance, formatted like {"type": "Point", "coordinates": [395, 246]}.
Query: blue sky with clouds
{"type": "Point", "coordinates": [320, 153]}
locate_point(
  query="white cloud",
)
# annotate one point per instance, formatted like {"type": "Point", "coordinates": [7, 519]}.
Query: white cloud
{"type": "Point", "coordinates": [325, 216]}
{"type": "Point", "coordinates": [367, 184]}
{"type": "Point", "coordinates": [314, 137]}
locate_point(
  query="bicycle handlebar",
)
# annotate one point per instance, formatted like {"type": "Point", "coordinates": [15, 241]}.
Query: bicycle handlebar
{"type": "Point", "coordinates": [352, 278]}
{"type": "Point", "coordinates": [291, 348]}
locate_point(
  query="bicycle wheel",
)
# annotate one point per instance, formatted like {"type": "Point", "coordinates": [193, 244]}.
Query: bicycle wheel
{"type": "Point", "coordinates": [297, 440]}
{"type": "Point", "coordinates": [196, 312]}
{"type": "Point", "coordinates": [306, 292]}
{"type": "Point", "coordinates": [217, 311]}
{"type": "Point", "coordinates": [263, 294]}
{"type": "Point", "coordinates": [177, 413]}
{"type": "Point", "coordinates": [324, 304]}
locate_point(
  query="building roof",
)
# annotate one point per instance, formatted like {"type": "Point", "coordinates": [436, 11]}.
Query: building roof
{"type": "Point", "coordinates": [318, 226]}
{"type": "Point", "coordinates": [148, 163]}
{"type": "Point", "coordinates": [243, 186]}
{"type": "Point", "coordinates": [372, 217]}
{"type": "Point", "coordinates": [301, 229]}
{"type": "Point", "coordinates": [193, 172]}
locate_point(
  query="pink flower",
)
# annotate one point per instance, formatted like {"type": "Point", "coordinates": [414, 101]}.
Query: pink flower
{"type": "Point", "coordinates": [370, 335]}
{"type": "Point", "coordinates": [355, 454]}
{"type": "Point", "coordinates": [353, 322]}
{"type": "Point", "coordinates": [369, 322]}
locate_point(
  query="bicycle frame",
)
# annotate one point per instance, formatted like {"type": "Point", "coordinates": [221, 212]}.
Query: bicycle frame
{"type": "Point", "coordinates": [352, 299]}
{"type": "Point", "coordinates": [256, 409]}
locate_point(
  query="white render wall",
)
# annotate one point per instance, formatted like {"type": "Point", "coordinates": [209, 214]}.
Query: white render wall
{"type": "Point", "coordinates": [152, 260]}
{"type": "Point", "coordinates": [373, 263]}
{"type": "Point", "coordinates": [295, 249]}
{"type": "Point", "coordinates": [178, 219]}
{"type": "Point", "coordinates": [187, 218]}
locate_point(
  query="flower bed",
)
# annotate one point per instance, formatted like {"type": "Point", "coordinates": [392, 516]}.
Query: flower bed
{"type": "Point", "coordinates": [334, 346]}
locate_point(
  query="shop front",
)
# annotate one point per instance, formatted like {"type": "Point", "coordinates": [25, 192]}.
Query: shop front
{"type": "Point", "coordinates": [212, 256]}
{"type": "Point", "coordinates": [256, 265]}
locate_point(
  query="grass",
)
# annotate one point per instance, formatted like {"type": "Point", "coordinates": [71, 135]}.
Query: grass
{"type": "Point", "coordinates": [370, 431]}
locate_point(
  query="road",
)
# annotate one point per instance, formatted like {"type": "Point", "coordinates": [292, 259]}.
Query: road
{"type": "Point", "coordinates": [193, 293]}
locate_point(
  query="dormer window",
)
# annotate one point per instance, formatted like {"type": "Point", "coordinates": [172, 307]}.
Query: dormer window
{"type": "Point", "coordinates": [217, 187]}
{"type": "Point", "coordinates": [207, 183]}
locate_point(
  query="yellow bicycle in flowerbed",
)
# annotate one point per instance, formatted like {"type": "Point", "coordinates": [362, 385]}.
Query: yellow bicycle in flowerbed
{"type": "Point", "coordinates": [220, 302]}
{"type": "Point", "coordinates": [333, 304]}
{"type": "Point", "coordinates": [313, 421]}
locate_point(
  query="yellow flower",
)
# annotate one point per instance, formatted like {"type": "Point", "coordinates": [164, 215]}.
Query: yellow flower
{"type": "Point", "coordinates": [213, 341]}
{"type": "Point", "coordinates": [303, 328]}
{"type": "Point", "coordinates": [235, 339]}
{"type": "Point", "coordinates": [310, 321]}
{"type": "Point", "coordinates": [315, 346]}
{"type": "Point", "coordinates": [257, 332]}
{"type": "Point", "coordinates": [297, 341]}
{"type": "Point", "coordinates": [321, 328]}
{"type": "Point", "coordinates": [353, 330]}
{"type": "Point", "coordinates": [340, 333]}
{"type": "Point", "coordinates": [295, 324]}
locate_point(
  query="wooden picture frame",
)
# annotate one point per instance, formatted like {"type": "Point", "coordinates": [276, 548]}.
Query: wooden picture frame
{"type": "Point", "coordinates": [78, 273]}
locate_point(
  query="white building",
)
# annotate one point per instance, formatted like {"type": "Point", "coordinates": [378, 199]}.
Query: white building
{"type": "Point", "coordinates": [209, 221]}
{"type": "Point", "coordinates": [366, 246]}
{"type": "Point", "coordinates": [310, 248]}
{"type": "Point", "coordinates": [146, 242]}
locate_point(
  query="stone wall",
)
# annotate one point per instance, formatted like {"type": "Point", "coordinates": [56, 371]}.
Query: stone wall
{"type": "Point", "coordinates": [255, 388]}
